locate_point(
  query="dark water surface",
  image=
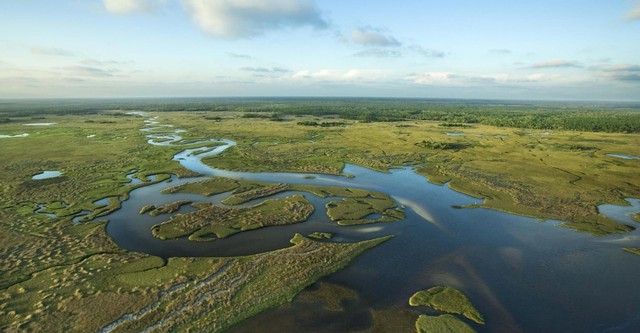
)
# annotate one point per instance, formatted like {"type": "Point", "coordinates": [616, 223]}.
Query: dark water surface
{"type": "Point", "coordinates": [523, 274]}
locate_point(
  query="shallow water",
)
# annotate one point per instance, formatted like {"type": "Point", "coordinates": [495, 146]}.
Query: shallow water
{"type": "Point", "coordinates": [39, 124]}
{"type": "Point", "coordinates": [626, 157]}
{"type": "Point", "coordinates": [523, 274]}
{"type": "Point", "coordinates": [23, 135]}
{"type": "Point", "coordinates": [47, 174]}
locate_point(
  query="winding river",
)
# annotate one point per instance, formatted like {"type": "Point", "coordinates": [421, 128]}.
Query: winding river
{"type": "Point", "coordinates": [524, 274]}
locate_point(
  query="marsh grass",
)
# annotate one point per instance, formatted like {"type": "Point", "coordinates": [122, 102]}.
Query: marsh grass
{"type": "Point", "coordinates": [447, 299]}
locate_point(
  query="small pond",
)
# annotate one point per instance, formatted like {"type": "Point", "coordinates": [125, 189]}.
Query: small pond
{"type": "Point", "coordinates": [46, 175]}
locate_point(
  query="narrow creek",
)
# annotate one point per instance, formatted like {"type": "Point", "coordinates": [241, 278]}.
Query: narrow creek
{"type": "Point", "coordinates": [525, 275]}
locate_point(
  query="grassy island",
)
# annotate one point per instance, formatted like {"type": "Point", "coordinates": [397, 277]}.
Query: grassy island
{"type": "Point", "coordinates": [447, 299]}
{"type": "Point", "coordinates": [210, 221]}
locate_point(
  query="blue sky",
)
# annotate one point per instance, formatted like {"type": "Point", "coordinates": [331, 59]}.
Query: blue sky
{"type": "Point", "coordinates": [567, 50]}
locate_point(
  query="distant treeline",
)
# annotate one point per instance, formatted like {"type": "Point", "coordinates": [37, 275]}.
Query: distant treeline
{"type": "Point", "coordinates": [577, 116]}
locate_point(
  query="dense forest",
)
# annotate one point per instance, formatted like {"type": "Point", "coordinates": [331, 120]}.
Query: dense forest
{"type": "Point", "coordinates": [578, 116]}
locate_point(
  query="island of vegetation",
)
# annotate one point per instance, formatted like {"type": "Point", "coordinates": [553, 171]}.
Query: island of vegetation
{"type": "Point", "coordinates": [450, 301]}
{"type": "Point", "coordinates": [210, 221]}
{"type": "Point", "coordinates": [321, 235]}
{"type": "Point", "coordinates": [447, 299]}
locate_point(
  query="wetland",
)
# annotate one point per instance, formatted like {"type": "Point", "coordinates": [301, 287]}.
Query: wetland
{"type": "Point", "coordinates": [188, 213]}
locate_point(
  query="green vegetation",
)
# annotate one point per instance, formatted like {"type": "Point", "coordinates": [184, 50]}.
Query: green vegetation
{"type": "Point", "coordinates": [207, 187]}
{"type": "Point", "coordinates": [447, 299]}
{"type": "Point", "coordinates": [351, 211]}
{"type": "Point", "coordinates": [354, 209]}
{"type": "Point", "coordinates": [321, 235]}
{"type": "Point", "coordinates": [439, 145]}
{"type": "Point", "coordinates": [455, 125]}
{"type": "Point", "coordinates": [441, 324]}
{"type": "Point", "coordinates": [210, 220]}
{"type": "Point", "coordinates": [591, 117]}
{"type": "Point", "coordinates": [634, 250]}
{"type": "Point", "coordinates": [166, 209]}
{"type": "Point", "coordinates": [147, 208]}
{"type": "Point", "coordinates": [176, 295]}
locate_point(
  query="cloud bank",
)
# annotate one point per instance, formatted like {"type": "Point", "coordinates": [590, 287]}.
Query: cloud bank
{"type": "Point", "coordinates": [622, 72]}
{"type": "Point", "coordinates": [232, 19]}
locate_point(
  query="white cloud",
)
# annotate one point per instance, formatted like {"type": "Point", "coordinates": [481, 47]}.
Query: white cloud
{"type": "Point", "coordinates": [556, 63]}
{"type": "Point", "coordinates": [247, 18]}
{"type": "Point", "coordinates": [129, 6]}
{"type": "Point", "coordinates": [373, 37]}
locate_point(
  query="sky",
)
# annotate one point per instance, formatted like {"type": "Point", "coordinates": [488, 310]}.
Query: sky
{"type": "Point", "coordinates": [544, 49]}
